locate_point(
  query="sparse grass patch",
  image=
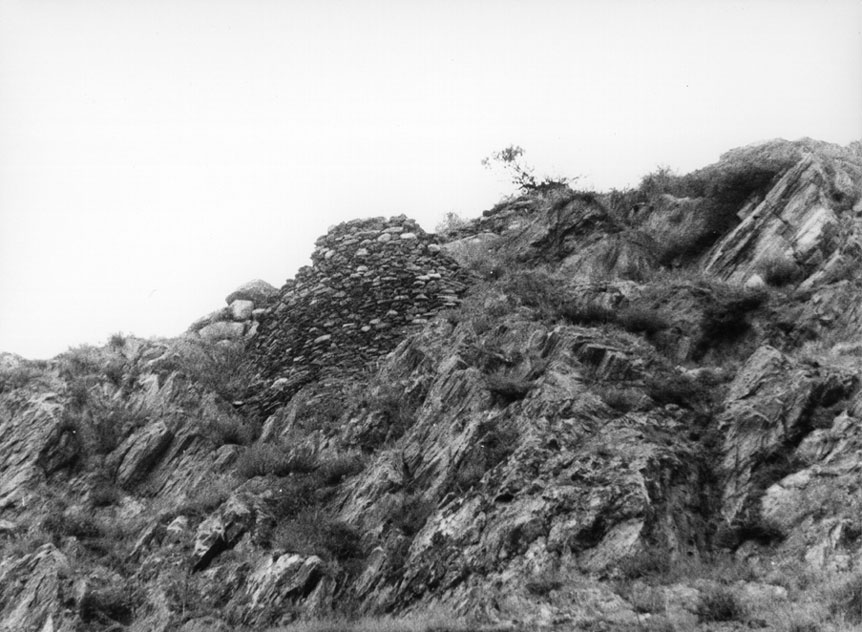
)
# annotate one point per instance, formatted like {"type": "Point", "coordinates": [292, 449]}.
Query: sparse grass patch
{"type": "Point", "coordinates": [648, 562]}
{"type": "Point", "coordinates": [333, 470]}
{"type": "Point", "coordinates": [107, 604]}
{"type": "Point", "coordinates": [641, 320]}
{"type": "Point", "coordinates": [508, 389]}
{"type": "Point", "coordinates": [544, 584]}
{"type": "Point", "coordinates": [222, 368]}
{"type": "Point", "coordinates": [720, 604]}
{"type": "Point", "coordinates": [71, 524]}
{"type": "Point", "coordinates": [18, 376]}
{"type": "Point", "coordinates": [780, 270]}
{"type": "Point", "coordinates": [424, 622]}
{"type": "Point", "coordinates": [846, 600]}
{"type": "Point", "coordinates": [208, 497]}
{"type": "Point", "coordinates": [411, 514]}
{"type": "Point", "coordinates": [102, 425]}
{"type": "Point", "coordinates": [725, 319]}
{"type": "Point", "coordinates": [587, 314]}
{"type": "Point", "coordinates": [394, 414]}
{"type": "Point", "coordinates": [105, 494]}
{"type": "Point", "coordinates": [266, 459]}
{"type": "Point", "coordinates": [228, 430]}
{"type": "Point", "coordinates": [496, 441]}
{"type": "Point", "coordinates": [313, 532]}
{"type": "Point", "coordinates": [671, 388]}
{"type": "Point", "coordinates": [622, 399]}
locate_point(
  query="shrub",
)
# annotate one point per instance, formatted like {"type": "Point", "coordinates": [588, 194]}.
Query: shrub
{"type": "Point", "coordinates": [228, 430]}
{"type": "Point", "coordinates": [102, 426]}
{"type": "Point", "coordinates": [543, 585]}
{"type": "Point", "coordinates": [495, 443]}
{"type": "Point", "coordinates": [71, 524]}
{"type": "Point", "coordinates": [81, 361]}
{"type": "Point", "coordinates": [451, 224]}
{"type": "Point", "coordinates": [780, 270]}
{"type": "Point", "coordinates": [847, 600]}
{"type": "Point", "coordinates": [105, 494]}
{"type": "Point", "coordinates": [508, 389]}
{"type": "Point", "coordinates": [483, 260]}
{"type": "Point", "coordinates": [117, 340]}
{"type": "Point", "coordinates": [536, 289]}
{"type": "Point", "coordinates": [335, 469]}
{"type": "Point", "coordinates": [111, 603]}
{"type": "Point", "coordinates": [312, 532]}
{"type": "Point", "coordinates": [589, 314]}
{"type": "Point", "coordinates": [509, 158]}
{"type": "Point", "coordinates": [294, 494]}
{"type": "Point", "coordinates": [268, 459]}
{"type": "Point", "coordinates": [222, 368]}
{"type": "Point", "coordinates": [671, 388]}
{"type": "Point", "coordinates": [324, 410]}
{"type": "Point", "coordinates": [726, 317]}
{"type": "Point", "coordinates": [205, 499]}
{"type": "Point", "coordinates": [641, 320]}
{"type": "Point", "coordinates": [411, 514]}
{"type": "Point", "coordinates": [645, 563]}
{"type": "Point", "coordinates": [395, 414]}
{"type": "Point", "coordinates": [621, 399]}
{"type": "Point", "coordinates": [17, 377]}
{"type": "Point", "coordinates": [720, 604]}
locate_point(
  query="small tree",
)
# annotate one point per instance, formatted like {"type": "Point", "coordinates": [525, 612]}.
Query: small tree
{"type": "Point", "coordinates": [510, 158]}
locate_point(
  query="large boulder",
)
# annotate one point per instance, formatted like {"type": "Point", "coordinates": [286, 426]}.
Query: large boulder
{"type": "Point", "coordinates": [223, 330]}
{"type": "Point", "coordinates": [257, 291]}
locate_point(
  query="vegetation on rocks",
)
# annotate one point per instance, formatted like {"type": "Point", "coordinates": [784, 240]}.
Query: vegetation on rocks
{"type": "Point", "coordinates": [581, 410]}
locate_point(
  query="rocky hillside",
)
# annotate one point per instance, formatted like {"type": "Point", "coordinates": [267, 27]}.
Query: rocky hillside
{"type": "Point", "coordinates": [633, 410]}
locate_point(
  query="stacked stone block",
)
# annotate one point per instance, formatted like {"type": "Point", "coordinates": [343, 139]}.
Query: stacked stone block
{"type": "Point", "coordinates": [369, 281]}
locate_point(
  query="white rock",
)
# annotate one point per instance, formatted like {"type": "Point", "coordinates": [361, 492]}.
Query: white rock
{"type": "Point", "coordinates": [258, 291]}
{"type": "Point", "coordinates": [755, 281]}
{"type": "Point", "coordinates": [212, 317]}
{"type": "Point", "coordinates": [241, 309]}
{"type": "Point", "coordinates": [222, 331]}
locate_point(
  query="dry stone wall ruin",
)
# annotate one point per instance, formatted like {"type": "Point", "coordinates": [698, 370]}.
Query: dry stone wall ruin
{"type": "Point", "coordinates": [369, 281]}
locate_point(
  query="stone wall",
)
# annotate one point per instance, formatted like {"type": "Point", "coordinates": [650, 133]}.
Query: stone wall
{"type": "Point", "coordinates": [369, 281]}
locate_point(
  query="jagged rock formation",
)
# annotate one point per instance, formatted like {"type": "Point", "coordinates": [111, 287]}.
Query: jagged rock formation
{"type": "Point", "coordinates": [625, 411]}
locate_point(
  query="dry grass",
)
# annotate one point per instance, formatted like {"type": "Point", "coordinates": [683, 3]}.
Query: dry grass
{"type": "Point", "coordinates": [433, 621]}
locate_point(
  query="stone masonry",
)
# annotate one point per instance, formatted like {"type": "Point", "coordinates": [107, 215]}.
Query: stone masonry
{"type": "Point", "coordinates": [369, 281]}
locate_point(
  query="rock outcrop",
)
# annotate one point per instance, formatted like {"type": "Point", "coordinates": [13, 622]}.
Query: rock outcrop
{"type": "Point", "coordinates": [241, 318]}
{"type": "Point", "coordinates": [625, 411]}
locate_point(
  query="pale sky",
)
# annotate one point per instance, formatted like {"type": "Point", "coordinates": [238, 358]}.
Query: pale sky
{"type": "Point", "coordinates": [156, 154]}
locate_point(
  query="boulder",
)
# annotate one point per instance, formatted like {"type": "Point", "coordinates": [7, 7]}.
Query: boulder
{"type": "Point", "coordinates": [222, 331]}
{"type": "Point", "coordinates": [241, 309]}
{"type": "Point", "coordinates": [257, 291]}
{"type": "Point", "coordinates": [209, 319]}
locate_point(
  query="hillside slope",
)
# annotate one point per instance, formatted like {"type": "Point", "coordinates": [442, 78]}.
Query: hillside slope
{"type": "Point", "coordinates": [621, 411]}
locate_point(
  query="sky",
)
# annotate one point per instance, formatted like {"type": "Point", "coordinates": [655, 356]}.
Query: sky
{"type": "Point", "coordinates": [156, 154]}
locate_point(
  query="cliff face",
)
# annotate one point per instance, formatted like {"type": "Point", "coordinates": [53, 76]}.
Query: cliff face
{"type": "Point", "coordinates": [623, 411]}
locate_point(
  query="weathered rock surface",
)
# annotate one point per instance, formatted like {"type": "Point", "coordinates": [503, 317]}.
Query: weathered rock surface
{"type": "Point", "coordinates": [258, 292]}
{"type": "Point", "coordinates": [561, 418]}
